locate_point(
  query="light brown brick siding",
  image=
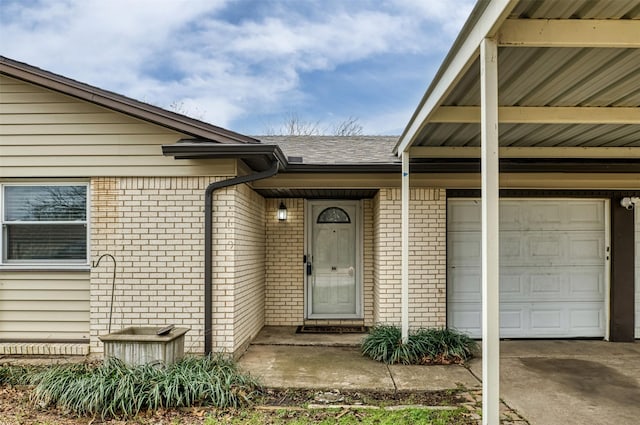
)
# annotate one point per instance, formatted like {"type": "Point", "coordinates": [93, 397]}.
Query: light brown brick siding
{"type": "Point", "coordinates": [155, 229]}
{"type": "Point", "coordinates": [427, 257]}
{"type": "Point", "coordinates": [284, 292]}
{"type": "Point", "coordinates": [249, 266]}
{"type": "Point", "coordinates": [153, 226]}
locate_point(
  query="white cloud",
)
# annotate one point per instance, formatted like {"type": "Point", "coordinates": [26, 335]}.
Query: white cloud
{"type": "Point", "coordinates": [185, 51]}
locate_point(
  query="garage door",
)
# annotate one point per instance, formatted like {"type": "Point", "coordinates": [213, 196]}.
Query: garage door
{"type": "Point", "coordinates": [552, 267]}
{"type": "Point", "coordinates": [637, 211]}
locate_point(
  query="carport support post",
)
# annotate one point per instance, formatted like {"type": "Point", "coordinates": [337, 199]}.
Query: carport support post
{"type": "Point", "coordinates": [405, 247]}
{"type": "Point", "coordinates": [490, 174]}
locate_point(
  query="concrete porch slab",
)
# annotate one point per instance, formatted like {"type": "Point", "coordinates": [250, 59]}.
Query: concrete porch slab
{"type": "Point", "coordinates": [286, 335]}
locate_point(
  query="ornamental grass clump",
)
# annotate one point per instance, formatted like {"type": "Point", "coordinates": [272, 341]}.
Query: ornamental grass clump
{"type": "Point", "coordinates": [16, 375]}
{"type": "Point", "coordinates": [115, 389]}
{"type": "Point", "coordinates": [444, 346]}
{"type": "Point", "coordinates": [424, 346]}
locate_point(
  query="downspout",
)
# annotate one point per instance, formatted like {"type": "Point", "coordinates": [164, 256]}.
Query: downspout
{"type": "Point", "coordinates": [208, 244]}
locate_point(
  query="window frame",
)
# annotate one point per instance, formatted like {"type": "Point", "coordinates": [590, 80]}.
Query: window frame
{"type": "Point", "coordinates": [41, 264]}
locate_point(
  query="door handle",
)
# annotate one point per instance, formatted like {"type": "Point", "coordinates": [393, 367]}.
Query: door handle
{"type": "Point", "coordinates": [309, 269]}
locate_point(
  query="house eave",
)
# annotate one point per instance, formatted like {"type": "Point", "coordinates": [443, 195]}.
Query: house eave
{"type": "Point", "coordinates": [257, 156]}
{"type": "Point", "coordinates": [119, 103]}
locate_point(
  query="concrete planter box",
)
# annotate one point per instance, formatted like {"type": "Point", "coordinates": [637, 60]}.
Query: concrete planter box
{"type": "Point", "coordinates": [142, 345]}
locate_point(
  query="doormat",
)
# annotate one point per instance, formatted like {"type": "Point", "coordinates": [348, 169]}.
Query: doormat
{"type": "Point", "coordinates": [327, 329]}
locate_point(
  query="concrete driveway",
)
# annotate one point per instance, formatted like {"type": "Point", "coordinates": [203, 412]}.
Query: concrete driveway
{"type": "Point", "coordinates": [570, 382]}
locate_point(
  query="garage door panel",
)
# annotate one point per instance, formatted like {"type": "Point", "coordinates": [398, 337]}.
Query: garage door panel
{"type": "Point", "coordinates": [544, 249]}
{"type": "Point", "coordinates": [512, 247]}
{"type": "Point", "coordinates": [587, 284]}
{"type": "Point", "coordinates": [466, 248]}
{"type": "Point", "coordinates": [511, 215]}
{"type": "Point", "coordinates": [547, 320]}
{"type": "Point", "coordinates": [540, 248]}
{"type": "Point", "coordinates": [584, 318]}
{"type": "Point", "coordinates": [586, 248]}
{"type": "Point", "coordinates": [513, 321]}
{"type": "Point", "coordinates": [547, 286]}
{"type": "Point", "coordinates": [543, 215]}
{"type": "Point", "coordinates": [465, 216]}
{"type": "Point", "coordinates": [552, 269]}
{"type": "Point", "coordinates": [585, 215]}
{"type": "Point", "coordinates": [512, 285]}
{"type": "Point", "coordinates": [555, 320]}
{"type": "Point", "coordinates": [467, 318]}
{"type": "Point", "coordinates": [537, 285]}
{"type": "Point", "coordinates": [467, 281]}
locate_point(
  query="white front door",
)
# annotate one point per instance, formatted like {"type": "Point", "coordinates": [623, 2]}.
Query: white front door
{"type": "Point", "coordinates": [333, 265]}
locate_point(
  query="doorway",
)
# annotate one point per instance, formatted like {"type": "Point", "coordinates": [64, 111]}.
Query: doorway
{"type": "Point", "coordinates": [333, 237]}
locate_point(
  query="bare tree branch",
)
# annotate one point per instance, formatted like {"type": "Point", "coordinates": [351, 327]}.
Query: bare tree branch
{"type": "Point", "coordinates": [293, 125]}
{"type": "Point", "coordinates": [348, 127]}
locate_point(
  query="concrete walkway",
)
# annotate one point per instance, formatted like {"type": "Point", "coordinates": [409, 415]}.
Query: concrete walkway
{"type": "Point", "coordinates": [281, 366]}
{"type": "Point", "coordinates": [284, 359]}
{"type": "Point", "coordinates": [546, 382]}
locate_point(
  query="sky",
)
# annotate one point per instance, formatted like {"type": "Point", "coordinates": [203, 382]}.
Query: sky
{"type": "Point", "coordinates": [245, 65]}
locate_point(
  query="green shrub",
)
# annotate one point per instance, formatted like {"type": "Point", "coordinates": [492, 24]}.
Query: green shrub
{"type": "Point", "coordinates": [384, 344]}
{"type": "Point", "coordinates": [444, 346]}
{"type": "Point", "coordinates": [16, 375]}
{"type": "Point", "coordinates": [116, 389]}
{"type": "Point", "coordinates": [424, 346]}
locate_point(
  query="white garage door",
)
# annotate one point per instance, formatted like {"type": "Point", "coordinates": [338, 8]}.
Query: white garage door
{"type": "Point", "coordinates": [552, 267]}
{"type": "Point", "coordinates": [637, 211]}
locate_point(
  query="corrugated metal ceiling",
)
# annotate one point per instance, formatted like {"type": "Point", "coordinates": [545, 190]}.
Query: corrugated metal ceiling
{"type": "Point", "coordinates": [553, 77]}
{"type": "Point", "coordinates": [549, 135]}
{"type": "Point", "coordinates": [531, 76]}
{"type": "Point", "coordinates": [577, 9]}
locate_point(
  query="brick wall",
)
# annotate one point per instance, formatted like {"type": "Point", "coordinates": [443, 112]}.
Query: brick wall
{"type": "Point", "coordinates": [368, 261]}
{"type": "Point", "coordinates": [427, 257]}
{"type": "Point", "coordinates": [249, 266]}
{"type": "Point", "coordinates": [284, 271]}
{"type": "Point", "coordinates": [154, 228]}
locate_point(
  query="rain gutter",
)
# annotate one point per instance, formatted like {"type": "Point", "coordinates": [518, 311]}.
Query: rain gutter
{"type": "Point", "coordinates": [265, 159]}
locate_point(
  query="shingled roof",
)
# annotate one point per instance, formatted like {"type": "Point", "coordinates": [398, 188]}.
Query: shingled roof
{"type": "Point", "coordinates": [335, 150]}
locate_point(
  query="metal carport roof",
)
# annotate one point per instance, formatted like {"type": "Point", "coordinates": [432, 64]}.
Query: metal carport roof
{"type": "Point", "coordinates": [568, 75]}
{"type": "Point", "coordinates": [526, 79]}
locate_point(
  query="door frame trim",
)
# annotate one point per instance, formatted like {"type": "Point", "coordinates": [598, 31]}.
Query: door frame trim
{"type": "Point", "coordinates": [359, 242]}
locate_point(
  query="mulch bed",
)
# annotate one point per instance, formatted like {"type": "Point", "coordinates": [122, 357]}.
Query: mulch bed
{"type": "Point", "coordinates": [16, 408]}
{"type": "Point", "coordinates": [297, 397]}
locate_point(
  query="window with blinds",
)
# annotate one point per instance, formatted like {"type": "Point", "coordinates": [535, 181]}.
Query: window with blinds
{"type": "Point", "coordinates": [44, 223]}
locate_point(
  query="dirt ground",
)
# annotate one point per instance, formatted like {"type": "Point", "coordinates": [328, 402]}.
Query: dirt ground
{"type": "Point", "coordinates": [17, 409]}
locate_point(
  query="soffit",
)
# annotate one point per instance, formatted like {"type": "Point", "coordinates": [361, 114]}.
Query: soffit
{"type": "Point", "coordinates": [317, 193]}
{"type": "Point", "coordinates": [593, 81]}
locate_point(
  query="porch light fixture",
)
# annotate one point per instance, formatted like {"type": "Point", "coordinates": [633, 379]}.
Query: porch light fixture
{"type": "Point", "coordinates": [282, 212]}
